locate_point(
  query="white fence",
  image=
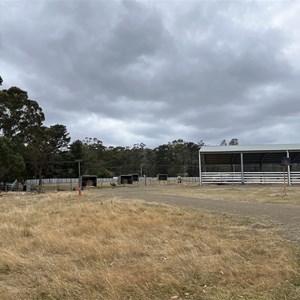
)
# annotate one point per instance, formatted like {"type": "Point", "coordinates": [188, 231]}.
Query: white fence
{"type": "Point", "coordinates": [206, 178]}
{"type": "Point", "coordinates": [64, 180]}
{"type": "Point", "coordinates": [249, 177]}
{"type": "Point", "coordinates": [74, 181]}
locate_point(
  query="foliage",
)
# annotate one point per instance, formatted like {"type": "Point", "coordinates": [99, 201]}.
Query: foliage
{"type": "Point", "coordinates": [21, 123]}
{"type": "Point", "coordinates": [177, 158]}
{"type": "Point", "coordinates": [91, 154]}
{"type": "Point", "coordinates": [47, 151]}
{"type": "Point", "coordinates": [20, 117]}
{"type": "Point", "coordinates": [46, 148]}
{"type": "Point", "coordinates": [11, 162]}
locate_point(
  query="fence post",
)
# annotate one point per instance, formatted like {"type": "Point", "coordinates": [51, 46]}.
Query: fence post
{"type": "Point", "coordinates": [242, 168]}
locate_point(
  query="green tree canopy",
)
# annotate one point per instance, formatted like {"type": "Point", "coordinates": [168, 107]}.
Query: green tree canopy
{"type": "Point", "coordinates": [11, 162]}
{"type": "Point", "coordinates": [19, 116]}
{"type": "Point", "coordinates": [46, 147]}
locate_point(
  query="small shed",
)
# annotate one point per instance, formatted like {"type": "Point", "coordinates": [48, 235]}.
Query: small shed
{"type": "Point", "coordinates": [162, 177]}
{"type": "Point", "coordinates": [88, 181]}
{"type": "Point", "coordinates": [125, 179]}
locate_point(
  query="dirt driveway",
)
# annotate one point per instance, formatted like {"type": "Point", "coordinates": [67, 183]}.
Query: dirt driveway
{"type": "Point", "coordinates": [285, 217]}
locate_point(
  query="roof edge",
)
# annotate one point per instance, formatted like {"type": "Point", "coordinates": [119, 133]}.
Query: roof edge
{"type": "Point", "coordinates": [251, 148]}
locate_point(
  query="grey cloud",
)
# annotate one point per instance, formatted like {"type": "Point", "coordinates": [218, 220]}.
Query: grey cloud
{"type": "Point", "coordinates": [191, 71]}
{"type": "Point", "coordinates": [135, 35]}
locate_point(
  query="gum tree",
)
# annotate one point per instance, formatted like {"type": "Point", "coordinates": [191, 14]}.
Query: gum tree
{"type": "Point", "coordinates": [11, 162]}
{"type": "Point", "coordinates": [19, 116]}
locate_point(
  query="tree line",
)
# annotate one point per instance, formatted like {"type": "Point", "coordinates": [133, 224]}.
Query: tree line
{"type": "Point", "coordinates": [29, 149]}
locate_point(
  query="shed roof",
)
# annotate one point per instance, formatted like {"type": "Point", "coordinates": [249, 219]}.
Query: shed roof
{"type": "Point", "coordinates": [252, 154]}
{"type": "Point", "coordinates": [251, 148]}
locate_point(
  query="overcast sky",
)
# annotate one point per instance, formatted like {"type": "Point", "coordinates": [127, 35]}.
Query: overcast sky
{"type": "Point", "coordinates": [128, 72]}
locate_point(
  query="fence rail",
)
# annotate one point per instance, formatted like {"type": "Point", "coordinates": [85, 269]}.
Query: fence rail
{"type": "Point", "coordinates": [249, 177]}
{"type": "Point", "coordinates": [206, 178]}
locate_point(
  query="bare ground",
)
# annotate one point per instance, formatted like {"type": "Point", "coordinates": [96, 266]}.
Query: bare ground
{"type": "Point", "coordinates": [284, 217]}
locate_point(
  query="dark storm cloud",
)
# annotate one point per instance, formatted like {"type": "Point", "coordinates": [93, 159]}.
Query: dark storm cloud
{"type": "Point", "coordinates": [153, 72]}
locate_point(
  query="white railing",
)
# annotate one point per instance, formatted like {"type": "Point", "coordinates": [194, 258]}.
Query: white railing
{"type": "Point", "coordinates": [206, 178]}
{"type": "Point", "coordinates": [106, 180]}
{"type": "Point", "coordinates": [64, 180]}
{"type": "Point", "coordinates": [249, 177]}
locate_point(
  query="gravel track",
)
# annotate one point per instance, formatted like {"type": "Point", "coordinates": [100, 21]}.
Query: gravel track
{"type": "Point", "coordinates": [285, 217]}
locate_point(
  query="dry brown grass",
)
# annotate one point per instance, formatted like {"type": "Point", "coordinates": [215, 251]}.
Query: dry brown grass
{"type": "Point", "coordinates": [61, 246]}
{"type": "Point", "coordinates": [252, 193]}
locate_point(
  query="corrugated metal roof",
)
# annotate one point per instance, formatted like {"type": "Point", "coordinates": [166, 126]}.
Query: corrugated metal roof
{"type": "Point", "coordinates": [250, 148]}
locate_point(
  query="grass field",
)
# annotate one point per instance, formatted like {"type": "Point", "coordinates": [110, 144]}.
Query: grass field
{"type": "Point", "coordinates": [253, 193]}
{"type": "Point", "coordinates": [61, 246]}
